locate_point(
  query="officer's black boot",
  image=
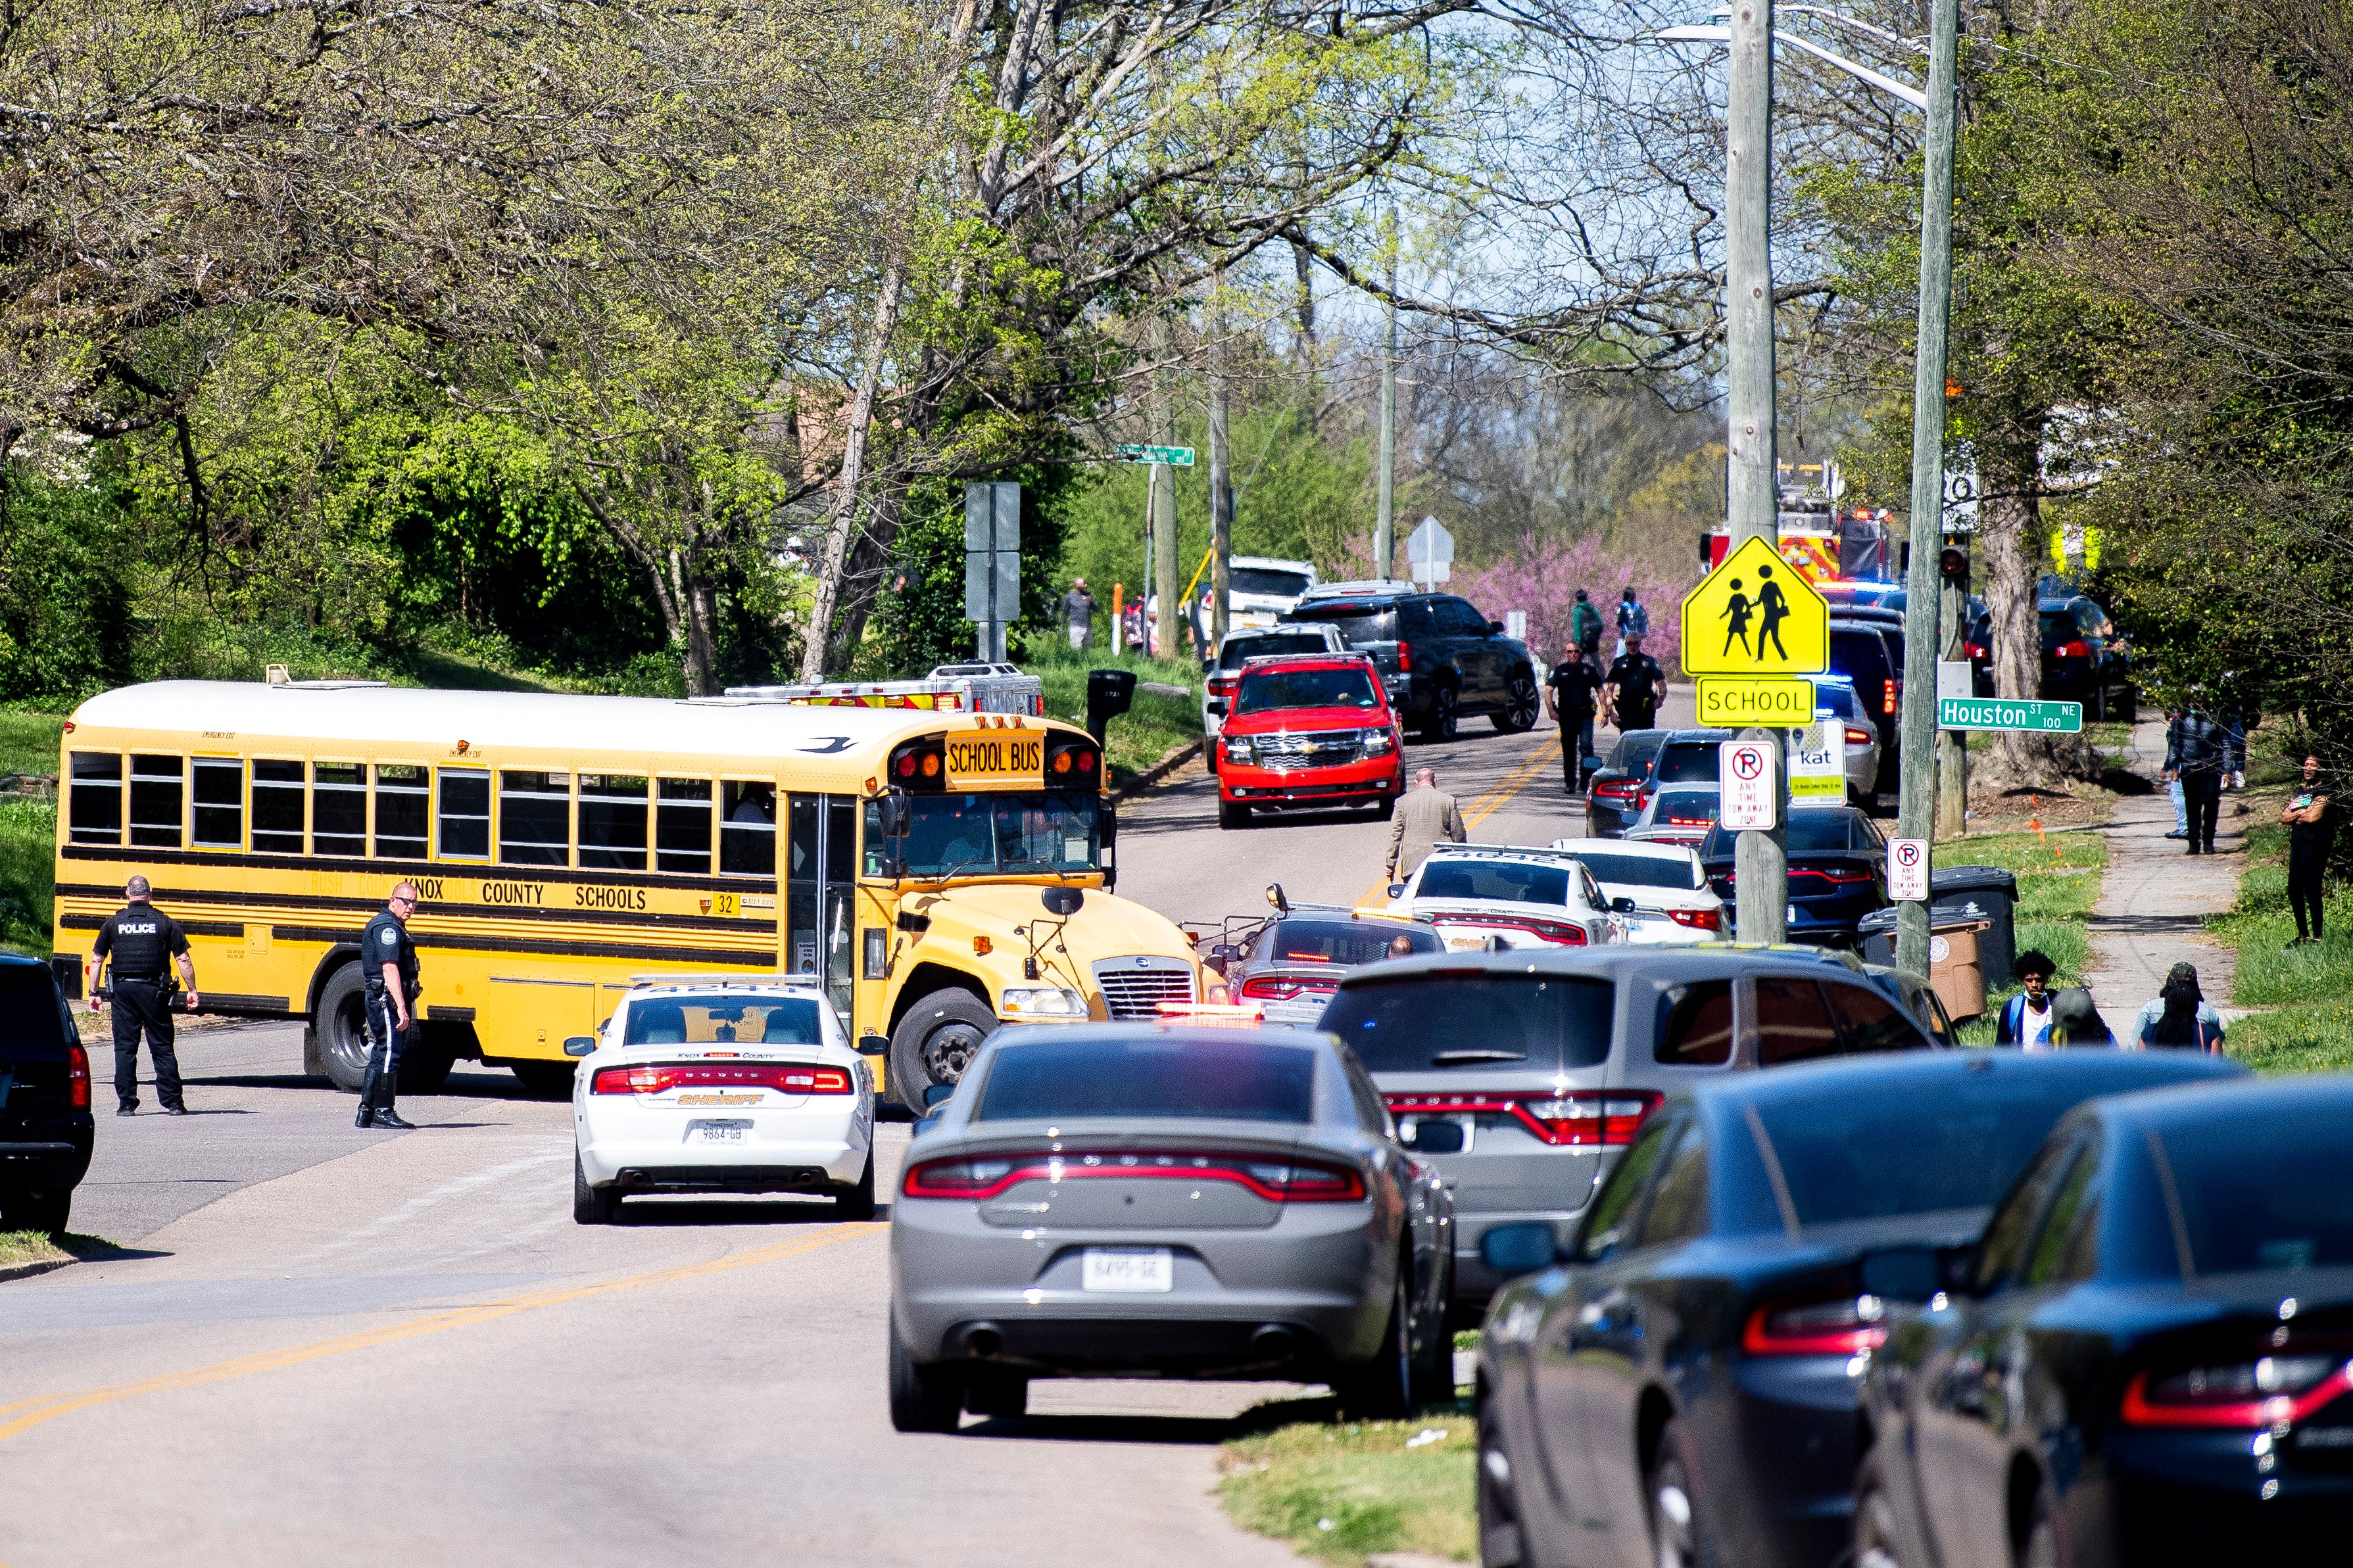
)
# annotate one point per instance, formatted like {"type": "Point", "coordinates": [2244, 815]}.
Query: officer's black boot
{"type": "Point", "coordinates": [366, 1118]}
{"type": "Point", "coordinates": [388, 1116]}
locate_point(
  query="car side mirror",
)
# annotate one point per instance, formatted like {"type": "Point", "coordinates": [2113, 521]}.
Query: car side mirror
{"type": "Point", "coordinates": [1397, 890]}
{"type": "Point", "coordinates": [897, 814]}
{"type": "Point", "coordinates": [1064, 901]}
{"type": "Point", "coordinates": [1594, 764]}
{"type": "Point", "coordinates": [873, 1045]}
{"type": "Point", "coordinates": [580, 1045]}
{"type": "Point", "coordinates": [1903, 1273]}
{"type": "Point", "coordinates": [938, 1094]}
{"type": "Point", "coordinates": [1495, 628]}
{"type": "Point", "coordinates": [1522, 1248]}
{"type": "Point", "coordinates": [1621, 905]}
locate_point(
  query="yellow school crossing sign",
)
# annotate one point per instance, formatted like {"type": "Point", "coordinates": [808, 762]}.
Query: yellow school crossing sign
{"type": "Point", "coordinates": [1756, 615]}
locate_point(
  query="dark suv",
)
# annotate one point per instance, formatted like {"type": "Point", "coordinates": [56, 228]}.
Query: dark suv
{"type": "Point", "coordinates": [1440, 659]}
{"type": "Point", "coordinates": [2084, 659]}
{"type": "Point", "coordinates": [46, 1131]}
{"type": "Point", "coordinates": [1871, 655]}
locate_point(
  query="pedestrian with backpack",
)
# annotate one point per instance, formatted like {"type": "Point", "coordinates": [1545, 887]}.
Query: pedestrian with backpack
{"type": "Point", "coordinates": [1584, 628]}
{"type": "Point", "coordinates": [2179, 1017]}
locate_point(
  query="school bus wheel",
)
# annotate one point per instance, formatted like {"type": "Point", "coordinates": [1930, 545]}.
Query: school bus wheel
{"type": "Point", "coordinates": [935, 1041]}
{"type": "Point", "coordinates": [341, 1028]}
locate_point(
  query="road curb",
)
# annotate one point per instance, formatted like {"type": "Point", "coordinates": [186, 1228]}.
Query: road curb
{"type": "Point", "coordinates": [26, 1270]}
{"type": "Point", "coordinates": [1158, 771]}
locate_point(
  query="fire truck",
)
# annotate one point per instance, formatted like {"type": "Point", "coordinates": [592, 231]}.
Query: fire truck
{"type": "Point", "coordinates": [1826, 542]}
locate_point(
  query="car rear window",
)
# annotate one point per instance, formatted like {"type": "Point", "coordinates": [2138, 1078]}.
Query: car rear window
{"type": "Point", "coordinates": [1446, 1019]}
{"type": "Point", "coordinates": [1633, 753]}
{"type": "Point", "coordinates": [1689, 761]}
{"type": "Point", "coordinates": [722, 1021]}
{"type": "Point", "coordinates": [1868, 1151]}
{"type": "Point", "coordinates": [2285, 1210]}
{"type": "Point", "coordinates": [1161, 1078]}
{"type": "Point", "coordinates": [1271, 581]}
{"type": "Point", "coordinates": [1508, 881]}
{"type": "Point", "coordinates": [1813, 831]}
{"type": "Point", "coordinates": [1241, 648]}
{"type": "Point", "coordinates": [1643, 870]}
{"type": "Point", "coordinates": [1359, 623]}
{"type": "Point", "coordinates": [1263, 690]}
{"type": "Point", "coordinates": [1335, 941]}
{"type": "Point", "coordinates": [1687, 808]}
{"type": "Point", "coordinates": [33, 1026]}
{"type": "Point", "coordinates": [1859, 653]}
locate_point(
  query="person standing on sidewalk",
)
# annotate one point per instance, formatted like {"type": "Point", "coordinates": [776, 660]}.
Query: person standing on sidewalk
{"type": "Point", "coordinates": [144, 943]}
{"type": "Point", "coordinates": [1570, 691]}
{"type": "Point", "coordinates": [2194, 755]}
{"type": "Point", "coordinates": [1079, 613]}
{"type": "Point", "coordinates": [2179, 1017]}
{"type": "Point", "coordinates": [1426, 817]}
{"type": "Point", "coordinates": [2309, 830]}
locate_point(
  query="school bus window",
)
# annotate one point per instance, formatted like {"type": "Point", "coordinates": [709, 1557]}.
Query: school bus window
{"type": "Point", "coordinates": [220, 804]}
{"type": "Point", "coordinates": [534, 819]}
{"type": "Point", "coordinates": [465, 813]}
{"type": "Point", "coordinates": [276, 807]}
{"type": "Point", "coordinates": [158, 792]}
{"type": "Point", "coordinates": [338, 809]}
{"type": "Point", "coordinates": [401, 799]}
{"type": "Point", "coordinates": [682, 826]}
{"type": "Point", "coordinates": [95, 812]}
{"type": "Point", "coordinates": [613, 822]}
{"type": "Point", "coordinates": [747, 833]}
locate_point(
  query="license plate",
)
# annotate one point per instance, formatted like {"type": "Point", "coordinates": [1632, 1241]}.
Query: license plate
{"type": "Point", "coordinates": [1130, 1270]}
{"type": "Point", "coordinates": [719, 1133]}
{"type": "Point", "coordinates": [1793, 914]}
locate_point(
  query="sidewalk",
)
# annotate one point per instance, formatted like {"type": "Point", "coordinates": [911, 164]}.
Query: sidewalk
{"type": "Point", "coordinates": [2154, 896]}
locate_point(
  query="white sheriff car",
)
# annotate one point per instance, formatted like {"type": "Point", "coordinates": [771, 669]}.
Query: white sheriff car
{"type": "Point", "coordinates": [1520, 898]}
{"type": "Point", "coordinates": [721, 1084]}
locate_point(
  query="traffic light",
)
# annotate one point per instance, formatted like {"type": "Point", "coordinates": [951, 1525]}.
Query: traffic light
{"type": "Point", "coordinates": [1954, 566]}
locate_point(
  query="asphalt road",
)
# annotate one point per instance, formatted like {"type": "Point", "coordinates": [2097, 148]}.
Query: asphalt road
{"type": "Point", "coordinates": [316, 1341]}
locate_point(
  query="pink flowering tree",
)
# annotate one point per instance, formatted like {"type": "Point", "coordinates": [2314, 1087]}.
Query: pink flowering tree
{"type": "Point", "coordinates": [1543, 579]}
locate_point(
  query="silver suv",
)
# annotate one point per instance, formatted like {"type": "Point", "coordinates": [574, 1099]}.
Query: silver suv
{"type": "Point", "coordinates": [1522, 1075]}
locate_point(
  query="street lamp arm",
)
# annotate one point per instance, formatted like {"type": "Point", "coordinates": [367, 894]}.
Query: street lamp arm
{"type": "Point", "coordinates": [1701, 33]}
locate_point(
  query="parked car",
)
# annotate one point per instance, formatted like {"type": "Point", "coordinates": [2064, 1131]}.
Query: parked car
{"type": "Point", "coordinates": [1870, 655]}
{"type": "Point", "coordinates": [1678, 1386]}
{"type": "Point", "coordinates": [1679, 815]}
{"type": "Point", "coordinates": [1658, 891]}
{"type": "Point", "coordinates": [1114, 1200]}
{"type": "Point", "coordinates": [2084, 659]}
{"type": "Point", "coordinates": [1613, 796]}
{"type": "Point", "coordinates": [2145, 1363]}
{"type": "Point", "coordinates": [1524, 1075]}
{"type": "Point", "coordinates": [1441, 659]}
{"type": "Point", "coordinates": [1836, 698]}
{"type": "Point", "coordinates": [1259, 590]}
{"type": "Point", "coordinates": [1308, 730]}
{"type": "Point", "coordinates": [1838, 871]}
{"type": "Point", "coordinates": [1222, 673]}
{"type": "Point", "coordinates": [46, 1132]}
{"type": "Point", "coordinates": [1289, 965]}
{"type": "Point", "coordinates": [1478, 894]}
{"type": "Point", "coordinates": [721, 1085]}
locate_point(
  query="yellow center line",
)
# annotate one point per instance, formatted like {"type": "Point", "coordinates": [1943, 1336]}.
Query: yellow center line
{"type": "Point", "coordinates": [50, 1405]}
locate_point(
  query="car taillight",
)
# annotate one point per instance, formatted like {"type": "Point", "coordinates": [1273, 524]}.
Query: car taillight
{"type": "Point", "coordinates": [1698, 919]}
{"type": "Point", "coordinates": [2264, 1391]}
{"type": "Point", "coordinates": [982, 1178]}
{"type": "Point", "coordinates": [1974, 650]}
{"type": "Point", "coordinates": [1552, 932]}
{"type": "Point", "coordinates": [1841, 1326]}
{"type": "Point", "coordinates": [1691, 822]}
{"type": "Point", "coordinates": [1223, 685]}
{"type": "Point", "coordinates": [1857, 737]}
{"type": "Point", "coordinates": [784, 1078]}
{"type": "Point", "coordinates": [1584, 1119]}
{"type": "Point", "coordinates": [78, 1078]}
{"type": "Point", "coordinates": [1405, 654]}
{"type": "Point", "coordinates": [1887, 702]}
{"type": "Point", "coordinates": [1616, 789]}
{"type": "Point", "coordinates": [1281, 988]}
{"type": "Point", "coordinates": [2078, 649]}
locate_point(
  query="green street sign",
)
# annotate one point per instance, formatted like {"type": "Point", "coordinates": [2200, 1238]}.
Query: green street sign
{"type": "Point", "coordinates": [1998, 713]}
{"type": "Point", "coordinates": [1177, 456]}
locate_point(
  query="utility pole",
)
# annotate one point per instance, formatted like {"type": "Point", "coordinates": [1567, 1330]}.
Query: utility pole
{"type": "Point", "coordinates": [1385, 515]}
{"type": "Point", "coordinates": [1222, 494]}
{"type": "Point", "coordinates": [1168, 571]}
{"type": "Point", "coordinates": [1761, 858]}
{"type": "Point", "coordinates": [1924, 583]}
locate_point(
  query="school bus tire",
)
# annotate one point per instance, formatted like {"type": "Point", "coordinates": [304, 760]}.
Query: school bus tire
{"type": "Point", "coordinates": [339, 1021]}
{"type": "Point", "coordinates": [935, 1041]}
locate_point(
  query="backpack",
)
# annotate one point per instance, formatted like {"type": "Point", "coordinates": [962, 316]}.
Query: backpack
{"type": "Point", "coordinates": [1584, 623]}
{"type": "Point", "coordinates": [1632, 617]}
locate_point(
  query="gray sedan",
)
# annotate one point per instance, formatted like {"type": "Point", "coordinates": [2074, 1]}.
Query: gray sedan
{"type": "Point", "coordinates": [1127, 1200]}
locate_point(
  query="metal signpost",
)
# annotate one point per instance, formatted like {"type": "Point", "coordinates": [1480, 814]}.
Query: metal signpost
{"type": "Point", "coordinates": [992, 562]}
{"type": "Point", "coordinates": [1430, 551]}
{"type": "Point", "coordinates": [2002, 713]}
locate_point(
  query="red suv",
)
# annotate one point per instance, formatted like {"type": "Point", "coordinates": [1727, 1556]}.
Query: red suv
{"type": "Point", "coordinates": [1308, 730]}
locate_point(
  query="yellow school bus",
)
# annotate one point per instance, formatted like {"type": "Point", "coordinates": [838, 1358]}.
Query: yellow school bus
{"type": "Point", "coordinates": [939, 872]}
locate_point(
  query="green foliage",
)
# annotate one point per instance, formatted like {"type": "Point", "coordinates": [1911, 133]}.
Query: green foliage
{"type": "Point", "coordinates": [1339, 1493]}
{"type": "Point", "coordinates": [28, 830]}
{"type": "Point", "coordinates": [66, 621]}
{"type": "Point", "coordinates": [1148, 731]}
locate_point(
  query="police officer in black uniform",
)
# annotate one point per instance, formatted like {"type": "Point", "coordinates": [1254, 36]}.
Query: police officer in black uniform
{"type": "Point", "coordinates": [144, 943]}
{"type": "Point", "coordinates": [388, 961]}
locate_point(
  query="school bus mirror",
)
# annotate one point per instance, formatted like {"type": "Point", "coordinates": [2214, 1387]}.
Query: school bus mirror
{"type": "Point", "coordinates": [898, 815]}
{"type": "Point", "coordinates": [1064, 901]}
{"type": "Point", "coordinates": [580, 1045]}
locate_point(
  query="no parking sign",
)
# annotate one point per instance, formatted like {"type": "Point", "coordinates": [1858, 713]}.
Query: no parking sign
{"type": "Point", "coordinates": [1907, 870]}
{"type": "Point", "coordinates": [1752, 794]}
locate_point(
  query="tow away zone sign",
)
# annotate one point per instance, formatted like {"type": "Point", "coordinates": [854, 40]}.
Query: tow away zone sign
{"type": "Point", "coordinates": [1907, 870]}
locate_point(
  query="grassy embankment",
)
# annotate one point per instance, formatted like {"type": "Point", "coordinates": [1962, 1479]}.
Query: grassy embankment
{"type": "Point", "coordinates": [1341, 1492]}
{"type": "Point", "coordinates": [18, 1248]}
{"type": "Point", "coordinates": [28, 744]}
{"type": "Point", "coordinates": [2058, 882]}
{"type": "Point", "coordinates": [2307, 991]}
{"type": "Point", "coordinates": [1148, 731]}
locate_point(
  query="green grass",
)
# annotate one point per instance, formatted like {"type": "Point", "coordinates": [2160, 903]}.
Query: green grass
{"type": "Point", "coordinates": [1340, 1492]}
{"type": "Point", "coordinates": [1146, 732]}
{"type": "Point", "coordinates": [28, 873]}
{"type": "Point", "coordinates": [28, 742]}
{"type": "Point", "coordinates": [18, 1248]}
{"type": "Point", "coordinates": [2309, 1025]}
{"type": "Point", "coordinates": [2058, 884]}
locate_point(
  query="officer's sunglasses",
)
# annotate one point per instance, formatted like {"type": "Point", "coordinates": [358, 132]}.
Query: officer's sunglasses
{"type": "Point", "coordinates": [410, 902]}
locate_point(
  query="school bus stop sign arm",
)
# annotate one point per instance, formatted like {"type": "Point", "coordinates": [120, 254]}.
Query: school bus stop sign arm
{"type": "Point", "coordinates": [1756, 615]}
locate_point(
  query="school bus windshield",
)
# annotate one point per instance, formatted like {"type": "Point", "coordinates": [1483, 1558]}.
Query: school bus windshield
{"type": "Point", "coordinates": [1016, 832]}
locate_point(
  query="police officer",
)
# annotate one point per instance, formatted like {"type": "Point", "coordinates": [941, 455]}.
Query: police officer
{"type": "Point", "coordinates": [144, 943]}
{"type": "Point", "coordinates": [388, 961]}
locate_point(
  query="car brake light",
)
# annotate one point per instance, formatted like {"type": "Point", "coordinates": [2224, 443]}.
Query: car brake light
{"type": "Point", "coordinates": [1974, 650]}
{"type": "Point", "coordinates": [2264, 1391]}
{"type": "Point", "coordinates": [1691, 822]}
{"type": "Point", "coordinates": [78, 1078]}
{"type": "Point", "coordinates": [1276, 1180]}
{"type": "Point", "coordinates": [1223, 685]}
{"type": "Point", "coordinates": [1405, 654]}
{"type": "Point", "coordinates": [1841, 1326]}
{"type": "Point", "coordinates": [1698, 919]}
{"type": "Point", "coordinates": [1282, 988]}
{"type": "Point", "coordinates": [1585, 1119]}
{"type": "Point", "coordinates": [785, 1078]}
{"type": "Point", "coordinates": [1553, 931]}
{"type": "Point", "coordinates": [1857, 737]}
{"type": "Point", "coordinates": [1616, 789]}
{"type": "Point", "coordinates": [1887, 703]}
{"type": "Point", "coordinates": [2078, 649]}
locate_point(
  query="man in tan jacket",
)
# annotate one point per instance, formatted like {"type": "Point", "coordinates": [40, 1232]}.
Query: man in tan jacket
{"type": "Point", "coordinates": [1425, 818]}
